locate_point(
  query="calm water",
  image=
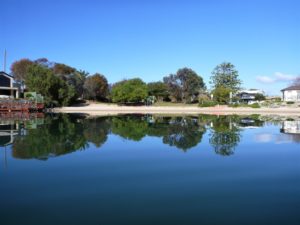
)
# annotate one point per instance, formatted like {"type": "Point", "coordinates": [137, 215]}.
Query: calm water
{"type": "Point", "coordinates": [70, 169]}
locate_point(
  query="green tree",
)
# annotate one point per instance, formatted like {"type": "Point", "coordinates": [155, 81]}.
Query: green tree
{"type": "Point", "coordinates": [158, 89]}
{"type": "Point", "coordinates": [55, 90]}
{"type": "Point", "coordinates": [62, 69]}
{"type": "Point", "coordinates": [185, 85]}
{"type": "Point", "coordinates": [225, 75]}
{"type": "Point", "coordinates": [72, 77]}
{"type": "Point", "coordinates": [221, 94]}
{"type": "Point", "coordinates": [96, 87]}
{"type": "Point", "coordinates": [260, 97]}
{"type": "Point", "coordinates": [129, 91]}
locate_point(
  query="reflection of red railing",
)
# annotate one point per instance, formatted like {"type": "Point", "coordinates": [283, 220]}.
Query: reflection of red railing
{"type": "Point", "coordinates": [20, 115]}
{"type": "Point", "coordinates": [20, 105]}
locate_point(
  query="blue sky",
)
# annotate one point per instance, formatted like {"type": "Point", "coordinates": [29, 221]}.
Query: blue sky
{"type": "Point", "coordinates": [151, 39]}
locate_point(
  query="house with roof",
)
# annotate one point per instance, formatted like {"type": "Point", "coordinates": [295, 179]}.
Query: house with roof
{"type": "Point", "coordinates": [249, 95]}
{"type": "Point", "coordinates": [8, 87]}
{"type": "Point", "coordinates": [291, 93]}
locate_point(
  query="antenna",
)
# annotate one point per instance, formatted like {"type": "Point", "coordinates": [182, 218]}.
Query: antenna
{"type": "Point", "coordinates": [4, 65]}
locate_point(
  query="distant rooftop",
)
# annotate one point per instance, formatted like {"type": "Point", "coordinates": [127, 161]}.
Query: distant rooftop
{"type": "Point", "coordinates": [291, 88]}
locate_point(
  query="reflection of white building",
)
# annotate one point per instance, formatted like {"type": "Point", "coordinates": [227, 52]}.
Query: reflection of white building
{"type": "Point", "coordinates": [291, 94]}
{"type": "Point", "coordinates": [291, 127]}
{"type": "Point", "coordinates": [7, 133]}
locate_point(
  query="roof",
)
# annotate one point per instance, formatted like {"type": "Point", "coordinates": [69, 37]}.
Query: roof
{"type": "Point", "coordinates": [291, 88]}
{"type": "Point", "coordinates": [251, 91]}
{"type": "Point", "coordinates": [6, 74]}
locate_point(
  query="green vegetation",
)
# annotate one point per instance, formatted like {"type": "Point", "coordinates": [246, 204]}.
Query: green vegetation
{"type": "Point", "coordinates": [255, 105]}
{"type": "Point", "coordinates": [236, 105]}
{"type": "Point", "coordinates": [159, 90]}
{"type": "Point", "coordinates": [184, 86]}
{"type": "Point", "coordinates": [129, 91]}
{"type": "Point", "coordinates": [63, 85]}
{"type": "Point", "coordinates": [55, 90]}
{"type": "Point", "coordinates": [95, 87]}
{"type": "Point", "coordinates": [208, 104]}
{"type": "Point", "coordinates": [221, 94]}
{"type": "Point", "coordinates": [225, 75]}
{"type": "Point", "coordinates": [260, 97]}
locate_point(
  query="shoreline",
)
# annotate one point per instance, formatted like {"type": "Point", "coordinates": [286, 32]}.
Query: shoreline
{"type": "Point", "coordinates": [106, 109]}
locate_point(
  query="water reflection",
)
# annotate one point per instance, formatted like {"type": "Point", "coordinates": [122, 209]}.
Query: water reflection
{"type": "Point", "coordinates": [225, 134]}
{"type": "Point", "coordinates": [41, 137]}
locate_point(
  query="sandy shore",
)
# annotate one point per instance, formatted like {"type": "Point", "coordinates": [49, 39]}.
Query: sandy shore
{"type": "Point", "coordinates": [107, 109]}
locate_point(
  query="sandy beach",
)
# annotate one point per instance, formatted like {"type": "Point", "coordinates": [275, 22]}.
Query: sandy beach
{"type": "Point", "coordinates": [110, 109]}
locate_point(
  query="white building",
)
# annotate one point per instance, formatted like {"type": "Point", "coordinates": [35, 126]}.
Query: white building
{"type": "Point", "coordinates": [7, 86]}
{"type": "Point", "coordinates": [291, 93]}
{"type": "Point", "coordinates": [249, 95]}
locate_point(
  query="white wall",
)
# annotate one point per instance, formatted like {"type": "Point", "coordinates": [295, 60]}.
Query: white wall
{"type": "Point", "coordinates": [293, 95]}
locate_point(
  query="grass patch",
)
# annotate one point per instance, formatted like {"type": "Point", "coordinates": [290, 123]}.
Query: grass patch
{"type": "Point", "coordinates": [175, 104]}
{"type": "Point", "coordinates": [208, 104]}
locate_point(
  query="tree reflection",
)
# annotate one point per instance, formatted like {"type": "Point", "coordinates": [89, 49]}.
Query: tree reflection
{"type": "Point", "coordinates": [181, 132]}
{"type": "Point", "coordinates": [57, 136]}
{"type": "Point", "coordinates": [225, 135]}
{"type": "Point", "coordinates": [129, 127]}
{"type": "Point", "coordinates": [62, 134]}
{"type": "Point", "coordinates": [95, 130]}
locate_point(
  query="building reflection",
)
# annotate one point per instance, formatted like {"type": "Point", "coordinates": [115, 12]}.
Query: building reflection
{"type": "Point", "coordinates": [291, 131]}
{"type": "Point", "coordinates": [291, 127]}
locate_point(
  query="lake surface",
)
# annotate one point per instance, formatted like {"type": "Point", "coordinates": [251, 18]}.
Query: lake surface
{"type": "Point", "coordinates": [134, 169]}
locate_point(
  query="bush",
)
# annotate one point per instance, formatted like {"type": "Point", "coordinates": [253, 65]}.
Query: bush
{"type": "Point", "coordinates": [221, 94]}
{"type": "Point", "coordinates": [290, 103]}
{"type": "Point", "coordinates": [207, 104]}
{"type": "Point", "coordinates": [133, 91]}
{"type": "Point", "coordinates": [255, 106]}
{"type": "Point", "coordinates": [236, 105]}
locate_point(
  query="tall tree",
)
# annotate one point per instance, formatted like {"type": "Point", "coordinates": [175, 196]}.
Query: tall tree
{"type": "Point", "coordinates": [19, 70]}
{"type": "Point", "coordinates": [158, 89]}
{"type": "Point", "coordinates": [185, 85]}
{"type": "Point", "coordinates": [96, 87]}
{"type": "Point", "coordinates": [71, 76]}
{"type": "Point", "coordinates": [62, 69]}
{"type": "Point", "coordinates": [227, 76]}
{"type": "Point", "coordinates": [129, 91]}
{"type": "Point", "coordinates": [55, 90]}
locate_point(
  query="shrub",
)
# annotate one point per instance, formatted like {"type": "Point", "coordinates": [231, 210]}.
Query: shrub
{"type": "Point", "coordinates": [208, 104]}
{"type": "Point", "coordinates": [290, 103]}
{"type": "Point", "coordinates": [255, 105]}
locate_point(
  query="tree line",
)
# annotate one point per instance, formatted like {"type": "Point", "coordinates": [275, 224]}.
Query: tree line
{"type": "Point", "coordinates": [63, 85]}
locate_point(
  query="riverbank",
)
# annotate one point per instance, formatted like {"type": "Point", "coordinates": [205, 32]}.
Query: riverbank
{"type": "Point", "coordinates": [111, 109]}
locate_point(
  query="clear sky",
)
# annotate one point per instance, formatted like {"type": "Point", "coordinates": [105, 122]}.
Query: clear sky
{"type": "Point", "coordinates": [151, 39]}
